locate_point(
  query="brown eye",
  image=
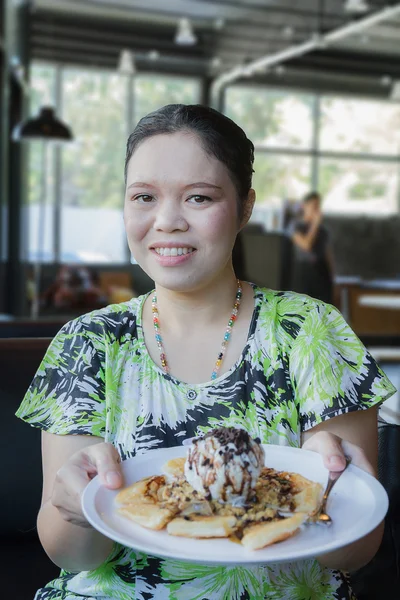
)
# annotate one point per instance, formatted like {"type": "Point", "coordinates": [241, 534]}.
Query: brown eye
{"type": "Point", "coordinates": [143, 198]}
{"type": "Point", "coordinates": [199, 199]}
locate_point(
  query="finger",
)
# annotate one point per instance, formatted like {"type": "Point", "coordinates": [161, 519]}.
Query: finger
{"type": "Point", "coordinates": [68, 487]}
{"type": "Point", "coordinates": [330, 448]}
{"type": "Point", "coordinates": [107, 462]}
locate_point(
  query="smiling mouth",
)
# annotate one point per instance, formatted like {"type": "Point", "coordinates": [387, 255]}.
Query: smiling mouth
{"type": "Point", "coordinates": [161, 251]}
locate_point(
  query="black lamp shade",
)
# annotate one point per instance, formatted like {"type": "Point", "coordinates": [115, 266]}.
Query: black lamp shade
{"type": "Point", "coordinates": [45, 126]}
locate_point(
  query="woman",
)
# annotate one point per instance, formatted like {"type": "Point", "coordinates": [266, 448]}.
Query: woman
{"type": "Point", "coordinates": [314, 265]}
{"type": "Point", "coordinates": [153, 371]}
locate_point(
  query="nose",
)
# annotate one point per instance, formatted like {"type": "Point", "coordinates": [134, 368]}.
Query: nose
{"type": "Point", "coordinates": [169, 217]}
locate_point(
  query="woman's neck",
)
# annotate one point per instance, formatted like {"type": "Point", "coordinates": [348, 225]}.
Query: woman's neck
{"type": "Point", "coordinates": [182, 312]}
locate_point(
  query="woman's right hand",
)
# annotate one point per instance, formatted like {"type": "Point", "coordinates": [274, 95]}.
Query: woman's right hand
{"type": "Point", "coordinates": [98, 459]}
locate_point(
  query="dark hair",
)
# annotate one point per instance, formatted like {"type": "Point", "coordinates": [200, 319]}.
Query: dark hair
{"type": "Point", "coordinates": [312, 196]}
{"type": "Point", "coordinates": [219, 135]}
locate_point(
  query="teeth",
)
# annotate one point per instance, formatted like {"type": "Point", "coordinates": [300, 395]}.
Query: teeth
{"type": "Point", "coordinates": [173, 251]}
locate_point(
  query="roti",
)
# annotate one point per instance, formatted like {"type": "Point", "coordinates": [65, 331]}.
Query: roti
{"type": "Point", "coordinates": [287, 491]}
{"type": "Point", "coordinates": [169, 501]}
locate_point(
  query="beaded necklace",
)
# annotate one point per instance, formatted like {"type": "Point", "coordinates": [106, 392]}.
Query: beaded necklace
{"type": "Point", "coordinates": [227, 335]}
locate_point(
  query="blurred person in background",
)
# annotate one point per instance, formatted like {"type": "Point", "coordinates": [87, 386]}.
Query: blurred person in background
{"type": "Point", "coordinates": [75, 288]}
{"type": "Point", "coordinates": [314, 265]}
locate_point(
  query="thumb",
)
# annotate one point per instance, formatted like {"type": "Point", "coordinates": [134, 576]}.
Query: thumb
{"type": "Point", "coordinates": [107, 462]}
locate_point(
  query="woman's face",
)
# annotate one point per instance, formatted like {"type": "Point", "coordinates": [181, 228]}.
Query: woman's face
{"type": "Point", "coordinates": [180, 212]}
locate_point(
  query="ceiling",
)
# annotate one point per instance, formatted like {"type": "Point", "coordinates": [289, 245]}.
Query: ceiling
{"type": "Point", "coordinates": [229, 32]}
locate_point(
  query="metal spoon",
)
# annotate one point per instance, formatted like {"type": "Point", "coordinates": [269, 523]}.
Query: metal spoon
{"type": "Point", "coordinates": [320, 515]}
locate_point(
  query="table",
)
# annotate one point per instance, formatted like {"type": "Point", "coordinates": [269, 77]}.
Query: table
{"type": "Point", "coordinates": [380, 301]}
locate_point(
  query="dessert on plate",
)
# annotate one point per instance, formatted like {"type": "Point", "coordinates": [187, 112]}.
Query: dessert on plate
{"type": "Point", "coordinates": [222, 489]}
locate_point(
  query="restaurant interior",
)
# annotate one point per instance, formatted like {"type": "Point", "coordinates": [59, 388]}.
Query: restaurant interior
{"type": "Point", "coordinates": [315, 85]}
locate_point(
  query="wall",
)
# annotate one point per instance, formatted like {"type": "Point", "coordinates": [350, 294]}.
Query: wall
{"type": "Point", "coordinates": [366, 247]}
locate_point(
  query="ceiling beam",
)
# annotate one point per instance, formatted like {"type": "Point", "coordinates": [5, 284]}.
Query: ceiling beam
{"type": "Point", "coordinates": [151, 12]}
{"type": "Point", "coordinates": [54, 37]}
{"type": "Point", "coordinates": [278, 8]}
{"type": "Point", "coordinates": [299, 50]}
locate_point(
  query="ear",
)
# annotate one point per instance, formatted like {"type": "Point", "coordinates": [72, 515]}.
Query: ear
{"type": "Point", "coordinates": [248, 208]}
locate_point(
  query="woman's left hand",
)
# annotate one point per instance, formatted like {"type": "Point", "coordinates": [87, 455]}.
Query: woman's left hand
{"type": "Point", "coordinates": [334, 450]}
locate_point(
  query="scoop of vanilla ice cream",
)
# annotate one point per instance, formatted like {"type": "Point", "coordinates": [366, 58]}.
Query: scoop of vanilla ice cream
{"type": "Point", "coordinates": [225, 464]}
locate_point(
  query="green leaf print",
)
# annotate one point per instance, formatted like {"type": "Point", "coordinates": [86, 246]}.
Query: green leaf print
{"type": "Point", "coordinates": [242, 416]}
{"type": "Point", "coordinates": [327, 360]}
{"type": "Point", "coordinates": [301, 581]}
{"type": "Point", "coordinates": [197, 582]}
{"type": "Point", "coordinates": [53, 355]}
{"type": "Point", "coordinates": [379, 389]}
{"type": "Point", "coordinates": [116, 577]}
{"type": "Point", "coordinates": [281, 316]}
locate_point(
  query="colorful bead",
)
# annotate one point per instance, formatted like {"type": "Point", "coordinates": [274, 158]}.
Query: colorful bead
{"type": "Point", "coordinates": [225, 341]}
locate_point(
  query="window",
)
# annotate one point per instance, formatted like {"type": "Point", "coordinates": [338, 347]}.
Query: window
{"type": "Point", "coordinates": [85, 178]}
{"type": "Point", "coordinates": [92, 181]}
{"type": "Point", "coordinates": [360, 126]}
{"type": "Point", "coordinates": [347, 184]}
{"type": "Point", "coordinates": [356, 184]}
{"type": "Point", "coordinates": [341, 149]}
{"type": "Point", "coordinates": [43, 81]}
{"type": "Point", "coordinates": [280, 125]}
{"type": "Point", "coordinates": [280, 176]}
{"type": "Point", "coordinates": [272, 118]}
{"type": "Point", "coordinates": [153, 91]}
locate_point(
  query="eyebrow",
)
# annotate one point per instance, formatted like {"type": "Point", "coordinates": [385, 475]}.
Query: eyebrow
{"type": "Point", "coordinates": [197, 184]}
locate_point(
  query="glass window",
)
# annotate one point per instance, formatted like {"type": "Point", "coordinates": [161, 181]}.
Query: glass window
{"type": "Point", "coordinates": [153, 91]}
{"type": "Point", "coordinates": [272, 117]}
{"type": "Point", "coordinates": [363, 126]}
{"type": "Point", "coordinates": [43, 86]}
{"type": "Point", "coordinates": [92, 180]}
{"type": "Point", "coordinates": [278, 177]}
{"type": "Point", "coordinates": [355, 186]}
{"type": "Point", "coordinates": [40, 198]}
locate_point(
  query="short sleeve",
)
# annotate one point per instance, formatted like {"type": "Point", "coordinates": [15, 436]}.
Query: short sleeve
{"type": "Point", "coordinates": [331, 371]}
{"type": "Point", "coordinates": [67, 394]}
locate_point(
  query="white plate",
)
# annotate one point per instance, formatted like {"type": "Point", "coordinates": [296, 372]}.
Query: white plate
{"type": "Point", "coordinates": [357, 504]}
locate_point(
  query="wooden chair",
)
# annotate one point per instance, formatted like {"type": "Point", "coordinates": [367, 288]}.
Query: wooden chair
{"type": "Point", "coordinates": [32, 328]}
{"type": "Point", "coordinates": [267, 258]}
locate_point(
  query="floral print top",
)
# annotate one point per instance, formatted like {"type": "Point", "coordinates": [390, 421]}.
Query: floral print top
{"type": "Point", "coordinates": [301, 365]}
